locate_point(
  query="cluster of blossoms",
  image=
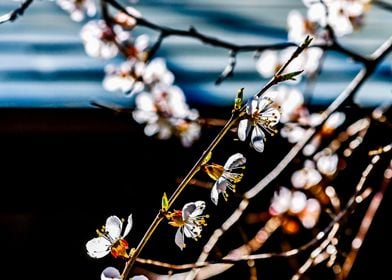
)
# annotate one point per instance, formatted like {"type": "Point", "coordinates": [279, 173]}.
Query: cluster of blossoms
{"type": "Point", "coordinates": [159, 104]}
{"type": "Point", "coordinates": [302, 205]}
{"type": "Point", "coordinates": [342, 16]}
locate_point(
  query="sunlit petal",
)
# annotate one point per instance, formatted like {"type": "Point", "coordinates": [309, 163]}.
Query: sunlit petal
{"type": "Point", "coordinates": [280, 202]}
{"type": "Point", "coordinates": [298, 202]}
{"type": "Point", "coordinates": [139, 277]}
{"type": "Point", "coordinates": [215, 194]}
{"type": "Point", "coordinates": [267, 63]}
{"type": "Point", "coordinates": [179, 238]}
{"type": "Point", "coordinates": [257, 139]}
{"type": "Point", "coordinates": [98, 247]}
{"type": "Point", "coordinates": [113, 227]}
{"type": "Point", "coordinates": [193, 209]}
{"type": "Point", "coordinates": [110, 273]}
{"type": "Point", "coordinates": [129, 226]}
{"type": "Point", "coordinates": [235, 161]}
{"type": "Point", "coordinates": [243, 129]}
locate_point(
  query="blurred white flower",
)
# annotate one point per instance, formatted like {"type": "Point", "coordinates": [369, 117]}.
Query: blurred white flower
{"type": "Point", "coordinates": [188, 131]}
{"type": "Point", "coordinates": [327, 164]}
{"type": "Point", "coordinates": [262, 115]}
{"type": "Point", "coordinates": [100, 40]}
{"type": "Point", "coordinates": [126, 78]}
{"type": "Point", "coordinates": [165, 112]}
{"type": "Point", "coordinates": [78, 9]}
{"type": "Point", "coordinates": [125, 20]}
{"type": "Point", "coordinates": [156, 72]}
{"type": "Point", "coordinates": [290, 101]}
{"type": "Point", "coordinates": [270, 62]}
{"type": "Point", "coordinates": [344, 16]}
{"type": "Point", "coordinates": [110, 239]}
{"type": "Point", "coordinates": [295, 204]}
{"type": "Point", "coordinates": [293, 132]}
{"type": "Point", "coordinates": [306, 177]}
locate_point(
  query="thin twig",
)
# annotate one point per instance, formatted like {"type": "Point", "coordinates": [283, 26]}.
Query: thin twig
{"type": "Point", "coordinates": [192, 32]}
{"type": "Point", "coordinates": [13, 15]}
{"type": "Point", "coordinates": [366, 223]}
{"type": "Point", "coordinates": [382, 4]}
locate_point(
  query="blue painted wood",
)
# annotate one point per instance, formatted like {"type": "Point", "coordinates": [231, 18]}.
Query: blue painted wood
{"type": "Point", "coordinates": [43, 64]}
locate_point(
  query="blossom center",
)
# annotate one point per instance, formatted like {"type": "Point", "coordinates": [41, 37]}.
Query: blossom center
{"type": "Point", "coordinates": [119, 248]}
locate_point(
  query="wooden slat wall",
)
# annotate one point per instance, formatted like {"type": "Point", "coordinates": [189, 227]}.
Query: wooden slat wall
{"type": "Point", "coordinates": [43, 64]}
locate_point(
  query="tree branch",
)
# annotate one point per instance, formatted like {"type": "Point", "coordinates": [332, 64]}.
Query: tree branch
{"type": "Point", "coordinates": [13, 15]}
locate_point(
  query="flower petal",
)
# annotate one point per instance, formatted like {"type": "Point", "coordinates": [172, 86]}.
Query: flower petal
{"type": "Point", "coordinates": [113, 227]}
{"type": "Point", "coordinates": [193, 209]}
{"type": "Point", "coordinates": [98, 247]}
{"type": "Point", "coordinates": [200, 206]}
{"type": "Point", "coordinates": [235, 161]}
{"type": "Point", "coordinates": [192, 230]}
{"type": "Point", "coordinates": [298, 202]}
{"type": "Point", "coordinates": [110, 273]}
{"type": "Point", "coordinates": [215, 194]}
{"type": "Point", "coordinates": [243, 129]}
{"type": "Point", "coordinates": [139, 277]}
{"type": "Point", "coordinates": [179, 238]}
{"type": "Point", "coordinates": [128, 227]}
{"type": "Point", "coordinates": [257, 139]}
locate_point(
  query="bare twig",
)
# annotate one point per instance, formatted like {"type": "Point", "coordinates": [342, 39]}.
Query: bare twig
{"type": "Point", "coordinates": [366, 223]}
{"type": "Point", "coordinates": [13, 15]}
{"type": "Point", "coordinates": [382, 4]}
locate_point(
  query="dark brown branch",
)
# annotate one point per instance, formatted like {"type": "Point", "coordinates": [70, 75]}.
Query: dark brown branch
{"type": "Point", "coordinates": [193, 33]}
{"type": "Point", "coordinates": [13, 15]}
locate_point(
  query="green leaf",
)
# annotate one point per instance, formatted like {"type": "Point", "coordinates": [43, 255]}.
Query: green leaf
{"type": "Point", "coordinates": [165, 203]}
{"type": "Point", "coordinates": [206, 158]}
{"type": "Point", "coordinates": [238, 99]}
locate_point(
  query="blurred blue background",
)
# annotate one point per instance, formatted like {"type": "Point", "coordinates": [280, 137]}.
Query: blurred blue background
{"type": "Point", "coordinates": [43, 63]}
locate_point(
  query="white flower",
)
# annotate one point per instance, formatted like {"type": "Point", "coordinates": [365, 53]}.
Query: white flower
{"type": "Point", "coordinates": [293, 132]}
{"type": "Point", "coordinates": [188, 131]}
{"type": "Point", "coordinates": [327, 164]}
{"type": "Point", "coordinates": [189, 221]}
{"type": "Point", "coordinates": [110, 239]}
{"type": "Point", "coordinates": [295, 203]}
{"type": "Point", "coordinates": [263, 115]}
{"type": "Point", "coordinates": [306, 177]}
{"type": "Point", "coordinates": [125, 78]}
{"type": "Point", "coordinates": [78, 8]}
{"type": "Point", "coordinates": [165, 112]}
{"type": "Point", "coordinates": [225, 176]}
{"type": "Point", "coordinates": [290, 101]}
{"type": "Point", "coordinates": [100, 40]}
{"type": "Point", "coordinates": [344, 16]}
{"type": "Point", "coordinates": [111, 273]}
{"type": "Point", "coordinates": [157, 72]}
{"type": "Point", "coordinates": [127, 21]}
